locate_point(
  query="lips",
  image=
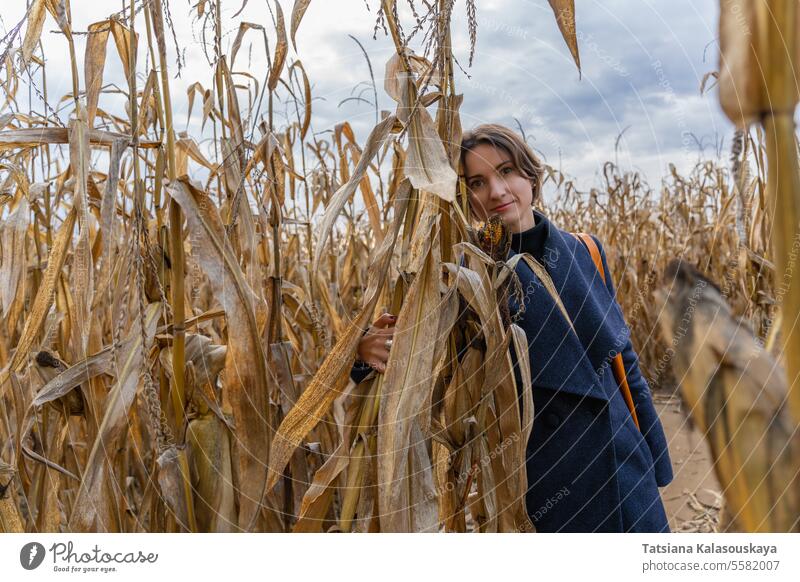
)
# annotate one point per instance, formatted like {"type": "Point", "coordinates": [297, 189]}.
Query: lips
{"type": "Point", "coordinates": [503, 207]}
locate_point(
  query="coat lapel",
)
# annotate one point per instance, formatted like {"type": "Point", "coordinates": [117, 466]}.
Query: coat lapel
{"type": "Point", "coordinates": [563, 359]}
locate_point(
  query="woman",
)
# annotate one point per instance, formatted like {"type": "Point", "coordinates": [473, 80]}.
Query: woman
{"type": "Point", "coordinates": [590, 468]}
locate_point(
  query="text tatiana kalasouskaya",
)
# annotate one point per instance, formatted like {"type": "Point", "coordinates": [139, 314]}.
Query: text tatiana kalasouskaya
{"type": "Point", "coordinates": [711, 548]}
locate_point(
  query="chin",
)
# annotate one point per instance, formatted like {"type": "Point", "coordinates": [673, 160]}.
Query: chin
{"type": "Point", "coordinates": [511, 217]}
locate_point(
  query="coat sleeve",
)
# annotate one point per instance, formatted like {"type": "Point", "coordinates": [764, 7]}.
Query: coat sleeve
{"type": "Point", "coordinates": [649, 422]}
{"type": "Point", "coordinates": [360, 370]}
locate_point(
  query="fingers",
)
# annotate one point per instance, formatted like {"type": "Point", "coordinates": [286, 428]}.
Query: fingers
{"type": "Point", "coordinates": [376, 347]}
{"type": "Point", "coordinates": [383, 333]}
{"type": "Point", "coordinates": [372, 348]}
{"type": "Point", "coordinates": [385, 320]}
{"type": "Point", "coordinates": [375, 340]}
{"type": "Point", "coordinates": [382, 358]}
{"type": "Point", "coordinates": [374, 337]}
{"type": "Point", "coordinates": [378, 361]}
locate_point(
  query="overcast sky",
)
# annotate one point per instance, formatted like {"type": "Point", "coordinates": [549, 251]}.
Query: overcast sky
{"type": "Point", "coordinates": [643, 62]}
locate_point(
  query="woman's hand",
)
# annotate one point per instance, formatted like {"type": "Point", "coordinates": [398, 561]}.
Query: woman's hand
{"type": "Point", "coordinates": [372, 348]}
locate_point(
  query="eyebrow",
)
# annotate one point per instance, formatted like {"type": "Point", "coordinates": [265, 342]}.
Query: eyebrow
{"type": "Point", "coordinates": [468, 178]}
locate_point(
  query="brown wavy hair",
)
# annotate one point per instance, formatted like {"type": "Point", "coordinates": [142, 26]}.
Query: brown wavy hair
{"type": "Point", "coordinates": [500, 136]}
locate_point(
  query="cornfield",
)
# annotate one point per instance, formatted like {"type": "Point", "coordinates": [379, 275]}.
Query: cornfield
{"type": "Point", "coordinates": [175, 353]}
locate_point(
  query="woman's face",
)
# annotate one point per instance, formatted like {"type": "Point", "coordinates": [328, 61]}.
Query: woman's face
{"type": "Point", "coordinates": [497, 187]}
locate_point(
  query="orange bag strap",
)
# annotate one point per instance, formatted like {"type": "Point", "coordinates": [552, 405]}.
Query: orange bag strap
{"type": "Point", "coordinates": [617, 365]}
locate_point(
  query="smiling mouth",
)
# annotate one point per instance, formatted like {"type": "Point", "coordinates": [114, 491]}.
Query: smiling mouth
{"type": "Point", "coordinates": [506, 205]}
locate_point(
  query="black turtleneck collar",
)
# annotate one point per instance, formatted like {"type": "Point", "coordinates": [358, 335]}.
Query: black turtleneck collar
{"type": "Point", "coordinates": [532, 240]}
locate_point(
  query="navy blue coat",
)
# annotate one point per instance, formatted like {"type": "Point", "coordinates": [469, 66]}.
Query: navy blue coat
{"type": "Point", "coordinates": [589, 468]}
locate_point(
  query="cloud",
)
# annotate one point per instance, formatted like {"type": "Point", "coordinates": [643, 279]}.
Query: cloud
{"type": "Point", "coordinates": [642, 65]}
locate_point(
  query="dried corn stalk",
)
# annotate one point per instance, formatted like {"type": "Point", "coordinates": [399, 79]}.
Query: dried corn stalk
{"type": "Point", "coordinates": [736, 393]}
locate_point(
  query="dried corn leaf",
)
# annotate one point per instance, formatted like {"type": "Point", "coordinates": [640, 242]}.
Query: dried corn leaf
{"type": "Point", "coordinates": [306, 98]}
{"type": "Point", "coordinates": [422, 509]}
{"type": "Point", "coordinates": [281, 49]}
{"type": "Point", "coordinates": [108, 206]}
{"type": "Point", "coordinates": [319, 494]}
{"type": "Point", "coordinates": [407, 389]}
{"type": "Point", "coordinates": [36, 15]}
{"type": "Point", "coordinates": [298, 10]}
{"type": "Point", "coordinates": [246, 379]}
{"type": "Point", "coordinates": [427, 164]}
{"type": "Point", "coordinates": [173, 473]}
{"type": "Point", "coordinates": [122, 40]}
{"type": "Point", "coordinates": [737, 394]}
{"type": "Point", "coordinates": [93, 509]}
{"type": "Point", "coordinates": [10, 519]}
{"type": "Point", "coordinates": [58, 11]}
{"type": "Point", "coordinates": [43, 301]}
{"type": "Point", "coordinates": [746, 60]}
{"type": "Point", "coordinates": [331, 378]}
{"type": "Point", "coordinates": [209, 448]}
{"type": "Point", "coordinates": [80, 372]}
{"type": "Point", "coordinates": [93, 64]}
{"type": "Point", "coordinates": [342, 195]}
{"type": "Point", "coordinates": [564, 11]}
{"type": "Point", "coordinates": [83, 269]}
{"type": "Point", "coordinates": [237, 42]}
{"type": "Point", "coordinates": [503, 426]}
{"type": "Point", "coordinates": [32, 138]}
{"type": "Point", "coordinates": [12, 234]}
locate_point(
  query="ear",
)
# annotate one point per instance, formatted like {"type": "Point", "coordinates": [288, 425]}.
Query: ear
{"type": "Point", "coordinates": [536, 191]}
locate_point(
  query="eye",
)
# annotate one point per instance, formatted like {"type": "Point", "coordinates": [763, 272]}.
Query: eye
{"type": "Point", "coordinates": [476, 184]}
{"type": "Point", "coordinates": [509, 168]}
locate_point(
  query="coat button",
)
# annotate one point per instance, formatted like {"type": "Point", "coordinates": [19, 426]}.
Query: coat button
{"type": "Point", "coordinates": [552, 420]}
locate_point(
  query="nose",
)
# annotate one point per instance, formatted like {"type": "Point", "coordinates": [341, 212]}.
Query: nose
{"type": "Point", "coordinates": [498, 189]}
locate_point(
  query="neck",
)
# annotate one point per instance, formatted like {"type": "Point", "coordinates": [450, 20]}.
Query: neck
{"type": "Point", "coordinates": [532, 240]}
{"type": "Point", "coordinates": [526, 223]}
